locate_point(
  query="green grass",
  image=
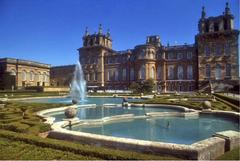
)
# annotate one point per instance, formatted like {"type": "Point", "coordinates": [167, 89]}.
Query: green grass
{"type": "Point", "coordinates": [231, 155]}
{"type": "Point", "coordinates": [18, 150]}
{"type": "Point", "coordinates": [23, 131]}
{"type": "Point", "coordinates": [22, 141]}
{"type": "Point", "coordinates": [12, 118]}
{"type": "Point", "coordinates": [24, 94]}
{"type": "Point", "coordinates": [216, 105]}
{"type": "Point", "coordinates": [84, 150]}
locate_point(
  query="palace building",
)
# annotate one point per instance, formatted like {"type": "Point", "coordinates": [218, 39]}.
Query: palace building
{"type": "Point", "coordinates": [17, 74]}
{"type": "Point", "coordinates": [212, 58]}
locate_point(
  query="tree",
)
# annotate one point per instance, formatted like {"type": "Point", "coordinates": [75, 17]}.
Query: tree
{"type": "Point", "coordinates": [148, 85]}
{"type": "Point", "coordinates": [142, 86]}
{"type": "Point", "coordinates": [135, 87]}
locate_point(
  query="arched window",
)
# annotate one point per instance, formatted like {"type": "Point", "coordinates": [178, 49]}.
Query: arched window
{"type": "Point", "coordinates": [180, 56]}
{"type": "Point", "coordinates": [170, 72]}
{"type": "Point", "coordinates": [24, 75]}
{"type": "Point", "coordinates": [109, 75]}
{"type": "Point", "coordinates": [116, 75]}
{"type": "Point", "coordinates": [218, 71]}
{"type": "Point", "coordinates": [189, 55]}
{"type": "Point", "coordinates": [180, 72]}
{"type": "Point", "coordinates": [91, 76]}
{"type": "Point", "coordinates": [228, 70]}
{"type": "Point", "coordinates": [227, 49]}
{"type": "Point", "coordinates": [159, 72]}
{"type": "Point", "coordinates": [142, 54]}
{"type": "Point", "coordinates": [95, 76]}
{"type": "Point", "coordinates": [170, 56]}
{"type": "Point", "coordinates": [120, 75]}
{"type": "Point", "coordinates": [44, 77]}
{"type": "Point", "coordinates": [131, 74]}
{"type": "Point", "coordinates": [37, 77]}
{"type": "Point", "coordinates": [152, 73]}
{"type": "Point", "coordinates": [87, 77]}
{"type": "Point", "coordinates": [207, 51]}
{"type": "Point", "coordinates": [12, 72]}
{"type": "Point", "coordinates": [218, 50]}
{"type": "Point", "coordinates": [124, 74]}
{"type": "Point", "coordinates": [31, 76]}
{"type": "Point", "coordinates": [152, 55]}
{"type": "Point", "coordinates": [189, 72]}
{"type": "Point", "coordinates": [208, 71]}
{"type": "Point", "coordinates": [142, 72]}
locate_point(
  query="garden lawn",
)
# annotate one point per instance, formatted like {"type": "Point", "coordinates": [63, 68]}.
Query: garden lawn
{"type": "Point", "coordinates": [19, 129]}
{"type": "Point", "coordinates": [25, 94]}
{"type": "Point", "coordinates": [216, 105]}
{"type": "Point", "coordinates": [231, 155]}
{"type": "Point", "coordinates": [18, 150]}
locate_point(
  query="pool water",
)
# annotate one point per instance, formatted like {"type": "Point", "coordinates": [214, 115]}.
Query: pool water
{"type": "Point", "coordinates": [89, 100]}
{"type": "Point", "coordinates": [100, 112]}
{"type": "Point", "coordinates": [178, 130]}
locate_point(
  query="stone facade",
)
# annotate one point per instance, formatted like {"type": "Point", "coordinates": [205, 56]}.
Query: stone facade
{"type": "Point", "coordinates": [61, 75]}
{"type": "Point", "coordinates": [217, 46]}
{"type": "Point", "coordinates": [17, 73]}
{"type": "Point", "coordinates": [173, 68]}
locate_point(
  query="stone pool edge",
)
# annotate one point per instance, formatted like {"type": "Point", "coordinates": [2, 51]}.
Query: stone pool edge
{"type": "Point", "coordinates": [209, 148]}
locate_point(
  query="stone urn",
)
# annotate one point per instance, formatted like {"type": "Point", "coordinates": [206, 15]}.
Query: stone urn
{"type": "Point", "coordinates": [206, 105]}
{"type": "Point", "coordinates": [75, 101]}
{"type": "Point", "coordinates": [70, 112]}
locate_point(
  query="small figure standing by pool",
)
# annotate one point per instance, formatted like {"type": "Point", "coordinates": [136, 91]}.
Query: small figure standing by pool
{"type": "Point", "coordinates": [168, 124]}
{"type": "Point", "coordinates": [125, 102]}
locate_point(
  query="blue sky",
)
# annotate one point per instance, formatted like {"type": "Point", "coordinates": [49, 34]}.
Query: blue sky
{"type": "Point", "coordinates": [50, 31]}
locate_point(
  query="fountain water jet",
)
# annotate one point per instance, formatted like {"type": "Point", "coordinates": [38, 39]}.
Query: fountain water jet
{"type": "Point", "coordinates": [78, 85]}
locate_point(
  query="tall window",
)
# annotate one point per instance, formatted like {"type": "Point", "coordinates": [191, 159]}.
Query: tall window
{"type": "Point", "coordinates": [142, 72]}
{"type": "Point", "coordinates": [228, 70]}
{"type": "Point", "coordinates": [218, 71]}
{"type": "Point", "coordinates": [131, 74]}
{"type": "Point", "coordinates": [227, 49]}
{"type": "Point", "coordinates": [116, 75]}
{"type": "Point", "coordinates": [189, 55]}
{"type": "Point", "coordinates": [91, 76]}
{"type": "Point", "coordinates": [31, 76]}
{"type": "Point", "coordinates": [170, 56]}
{"type": "Point", "coordinates": [180, 72]}
{"type": "Point", "coordinates": [38, 77]}
{"type": "Point", "coordinates": [24, 75]}
{"type": "Point", "coordinates": [142, 54]}
{"type": "Point", "coordinates": [159, 72]}
{"type": "Point", "coordinates": [207, 51]}
{"type": "Point", "coordinates": [13, 72]}
{"type": "Point", "coordinates": [180, 56]}
{"type": "Point", "coordinates": [152, 73]}
{"type": "Point", "coordinates": [45, 77]}
{"type": "Point", "coordinates": [189, 72]}
{"type": "Point", "coordinates": [217, 50]}
{"type": "Point", "coordinates": [208, 71]}
{"type": "Point", "coordinates": [151, 56]}
{"type": "Point", "coordinates": [120, 75]}
{"type": "Point", "coordinates": [124, 74]}
{"type": "Point", "coordinates": [170, 72]}
{"type": "Point", "coordinates": [95, 76]}
{"type": "Point", "coordinates": [109, 75]}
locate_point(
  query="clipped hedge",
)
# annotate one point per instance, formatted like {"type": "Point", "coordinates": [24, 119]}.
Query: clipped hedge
{"type": "Point", "coordinates": [15, 126]}
{"type": "Point", "coordinates": [226, 100]}
{"type": "Point", "coordinates": [18, 150]}
{"type": "Point", "coordinates": [85, 150]}
{"type": "Point", "coordinates": [229, 99]}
